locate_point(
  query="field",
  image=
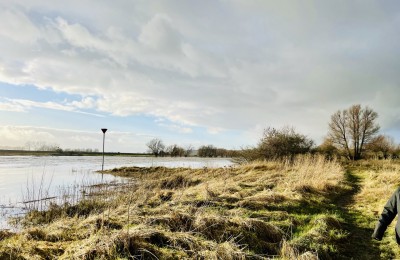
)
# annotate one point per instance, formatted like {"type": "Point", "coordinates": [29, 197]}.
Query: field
{"type": "Point", "coordinates": [307, 208]}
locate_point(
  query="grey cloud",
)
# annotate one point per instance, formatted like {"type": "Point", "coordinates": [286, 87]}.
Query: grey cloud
{"type": "Point", "coordinates": [216, 64]}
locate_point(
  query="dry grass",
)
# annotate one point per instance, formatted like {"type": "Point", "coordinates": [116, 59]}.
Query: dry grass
{"type": "Point", "coordinates": [253, 211]}
{"type": "Point", "coordinates": [381, 180]}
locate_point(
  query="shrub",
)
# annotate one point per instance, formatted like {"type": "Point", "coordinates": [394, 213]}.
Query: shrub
{"type": "Point", "coordinates": [285, 142]}
{"type": "Point", "coordinates": [277, 144]}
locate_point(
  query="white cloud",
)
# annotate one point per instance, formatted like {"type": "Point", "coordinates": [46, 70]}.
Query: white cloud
{"type": "Point", "coordinates": [15, 25]}
{"type": "Point", "coordinates": [11, 106]}
{"type": "Point", "coordinates": [159, 35]}
{"type": "Point", "coordinates": [49, 105]}
{"type": "Point", "coordinates": [86, 102]}
{"type": "Point", "coordinates": [214, 130]}
{"type": "Point", "coordinates": [217, 64]}
{"type": "Point", "coordinates": [176, 128]}
{"type": "Point", "coordinates": [23, 105]}
{"type": "Point", "coordinates": [18, 136]}
{"type": "Point", "coordinates": [21, 136]}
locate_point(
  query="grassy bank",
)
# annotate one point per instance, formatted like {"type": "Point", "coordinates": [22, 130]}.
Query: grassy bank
{"type": "Point", "coordinates": [378, 180]}
{"type": "Point", "coordinates": [277, 209]}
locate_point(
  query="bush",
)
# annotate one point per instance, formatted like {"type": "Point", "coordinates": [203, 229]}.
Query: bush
{"type": "Point", "coordinates": [285, 142]}
{"type": "Point", "coordinates": [278, 143]}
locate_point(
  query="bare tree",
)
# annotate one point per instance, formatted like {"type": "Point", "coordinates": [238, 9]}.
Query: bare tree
{"type": "Point", "coordinates": [175, 150]}
{"type": "Point", "coordinates": [156, 146]}
{"type": "Point", "coordinates": [28, 145]}
{"type": "Point", "coordinates": [168, 149]}
{"type": "Point", "coordinates": [353, 128]}
{"type": "Point", "coordinates": [188, 150]}
{"type": "Point", "coordinates": [41, 146]}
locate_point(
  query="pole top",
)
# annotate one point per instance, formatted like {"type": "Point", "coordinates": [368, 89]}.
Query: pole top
{"type": "Point", "coordinates": [104, 130]}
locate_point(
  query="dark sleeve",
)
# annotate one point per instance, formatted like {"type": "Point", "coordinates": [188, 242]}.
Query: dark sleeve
{"type": "Point", "coordinates": [388, 214]}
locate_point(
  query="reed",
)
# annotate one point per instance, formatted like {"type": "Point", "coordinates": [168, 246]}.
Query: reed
{"type": "Point", "coordinates": [257, 210]}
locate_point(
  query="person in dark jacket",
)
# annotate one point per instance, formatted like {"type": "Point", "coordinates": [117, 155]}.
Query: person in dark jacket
{"type": "Point", "coordinates": [389, 212]}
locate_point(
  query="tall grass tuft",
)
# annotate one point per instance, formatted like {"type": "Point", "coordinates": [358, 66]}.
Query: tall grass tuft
{"type": "Point", "coordinates": [252, 211]}
{"type": "Point", "coordinates": [313, 172]}
{"type": "Point", "coordinates": [382, 178]}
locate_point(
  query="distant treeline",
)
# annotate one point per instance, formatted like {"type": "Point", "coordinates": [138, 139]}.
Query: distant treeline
{"type": "Point", "coordinates": [353, 134]}
{"type": "Point", "coordinates": [157, 148]}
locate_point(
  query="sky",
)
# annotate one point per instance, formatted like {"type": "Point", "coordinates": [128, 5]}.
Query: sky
{"type": "Point", "coordinates": [192, 72]}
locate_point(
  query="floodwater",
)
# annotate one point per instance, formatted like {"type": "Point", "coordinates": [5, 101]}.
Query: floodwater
{"type": "Point", "coordinates": [31, 178]}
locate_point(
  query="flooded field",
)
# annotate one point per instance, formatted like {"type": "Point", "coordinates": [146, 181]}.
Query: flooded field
{"type": "Point", "coordinates": [28, 182]}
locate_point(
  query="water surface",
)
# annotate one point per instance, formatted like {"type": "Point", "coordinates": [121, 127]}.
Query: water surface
{"type": "Point", "coordinates": [26, 178]}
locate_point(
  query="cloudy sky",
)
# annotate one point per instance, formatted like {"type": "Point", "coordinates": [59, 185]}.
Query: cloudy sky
{"type": "Point", "coordinates": [192, 72]}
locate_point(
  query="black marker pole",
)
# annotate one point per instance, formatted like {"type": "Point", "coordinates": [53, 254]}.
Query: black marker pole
{"type": "Point", "coordinates": [104, 130]}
